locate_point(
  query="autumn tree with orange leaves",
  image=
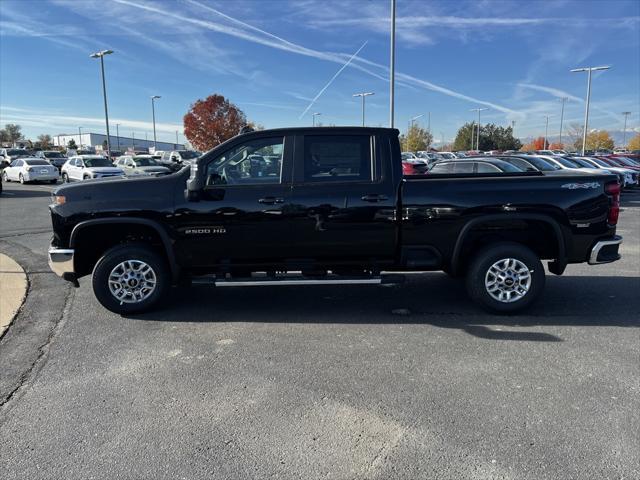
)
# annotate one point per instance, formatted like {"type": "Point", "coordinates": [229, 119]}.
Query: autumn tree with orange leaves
{"type": "Point", "coordinates": [536, 144]}
{"type": "Point", "coordinates": [211, 121]}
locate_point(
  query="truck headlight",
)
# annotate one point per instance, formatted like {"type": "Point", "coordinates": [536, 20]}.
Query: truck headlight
{"type": "Point", "coordinates": [59, 199]}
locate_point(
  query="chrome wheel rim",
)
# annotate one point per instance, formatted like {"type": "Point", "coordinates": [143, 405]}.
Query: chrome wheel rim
{"type": "Point", "coordinates": [507, 280]}
{"type": "Point", "coordinates": [132, 281]}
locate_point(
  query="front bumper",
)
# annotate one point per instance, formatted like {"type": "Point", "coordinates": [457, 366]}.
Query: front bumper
{"type": "Point", "coordinates": [605, 251]}
{"type": "Point", "coordinates": [61, 262]}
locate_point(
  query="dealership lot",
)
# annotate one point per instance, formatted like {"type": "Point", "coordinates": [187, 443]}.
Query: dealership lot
{"type": "Point", "coordinates": [310, 382]}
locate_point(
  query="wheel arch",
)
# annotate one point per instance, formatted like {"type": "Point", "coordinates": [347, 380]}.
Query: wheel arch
{"type": "Point", "coordinates": [83, 228]}
{"type": "Point", "coordinates": [556, 266]}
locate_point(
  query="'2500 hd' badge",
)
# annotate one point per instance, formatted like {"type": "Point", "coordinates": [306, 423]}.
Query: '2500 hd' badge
{"type": "Point", "coordinates": [204, 230]}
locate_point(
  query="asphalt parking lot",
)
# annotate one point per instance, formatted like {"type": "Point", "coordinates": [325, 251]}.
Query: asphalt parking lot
{"type": "Point", "coordinates": [408, 381]}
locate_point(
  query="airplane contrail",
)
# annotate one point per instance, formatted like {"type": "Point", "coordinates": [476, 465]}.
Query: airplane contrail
{"type": "Point", "coordinates": [330, 81]}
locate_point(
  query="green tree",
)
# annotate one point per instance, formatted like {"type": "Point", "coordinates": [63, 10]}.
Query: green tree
{"type": "Point", "coordinates": [634, 143]}
{"type": "Point", "coordinates": [4, 136]}
{"type": "Point", "coordinates": [492, 137]}
{"type": "Point", "coordinates": [72, 145]}
{"type": "Point", "coordinates": [417, 139]}
{"type": "Point", "coordinates": [464, 138]}
{"type": "Point", "coordinates": [12, 132]}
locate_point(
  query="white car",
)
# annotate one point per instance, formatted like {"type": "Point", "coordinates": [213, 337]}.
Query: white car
{"type": "Point", "coordinates": [85, 167]}
{"type": "Point", "coordinates": [140, 165]}
{"type": "Point", "coordinates": [30, 169]}
{"type": "Point", "coordinates": [568, 164]}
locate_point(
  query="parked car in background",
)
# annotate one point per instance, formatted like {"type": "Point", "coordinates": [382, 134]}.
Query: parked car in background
{"type": "Point", "coordinates": [157, 155]}
{"type": "Point", "coordinates": [480, 165]}
{"type": "Point", "coordinates": [10, 154]}
{"type": "Point", "coordinates": [140, 165]}
{"type": "Point", "coordinates": [57, 159]}
{"type": "Point", "coordinates": [179, 156]}
{"type": "Point", "coordinates": [447, 155]}
{"type": "Point", "coordinates": [460, 154]}
{"type": "Point", "coordinates": [30, 169]}
{"type": "Point", "coordinates": [408, 155]}
{"type": "Point", "coordinates": [430, 157]}
{"type": "Point", "coordinates": [85, 167]}
{"type": "Point", "coordinates": [626, 177]}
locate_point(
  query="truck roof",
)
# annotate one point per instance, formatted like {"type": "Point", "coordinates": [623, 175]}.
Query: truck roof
{"type": "Point", "coordinates": [327, 130]}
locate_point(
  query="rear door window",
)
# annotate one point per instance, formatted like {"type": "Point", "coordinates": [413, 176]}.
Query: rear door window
{"type": "Point", "coordinates": [337, 158]}
{"type": "Point", "coordinates": [463, 167]}
{"type": "Point", "coordinates": [487, 168]}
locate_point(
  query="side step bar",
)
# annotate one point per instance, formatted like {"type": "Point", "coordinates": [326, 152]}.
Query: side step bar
{"type": "Point", "coordinates": [262, 281]}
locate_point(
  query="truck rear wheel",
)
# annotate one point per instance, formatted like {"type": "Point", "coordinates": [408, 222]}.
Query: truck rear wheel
{"type": "Point", "coordinates": [130, 279]}
{"type": "Point", "coordinates": [505, 278]}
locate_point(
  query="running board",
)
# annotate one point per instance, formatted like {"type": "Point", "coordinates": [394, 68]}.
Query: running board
{"type": "Point", "coordinates": [299, 280]}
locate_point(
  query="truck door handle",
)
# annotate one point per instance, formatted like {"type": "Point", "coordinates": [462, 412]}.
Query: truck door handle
{"type": "Point", "coordinates": [271, 200]}
{"type": "Point", "coordinates": [374, 198]}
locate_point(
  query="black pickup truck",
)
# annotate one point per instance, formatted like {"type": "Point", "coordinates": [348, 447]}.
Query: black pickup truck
{"type": "Point", "coordinates": [322, 206]}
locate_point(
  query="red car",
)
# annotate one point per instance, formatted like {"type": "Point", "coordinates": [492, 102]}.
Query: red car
{"type": "Point", "coordinates": [620, 162]}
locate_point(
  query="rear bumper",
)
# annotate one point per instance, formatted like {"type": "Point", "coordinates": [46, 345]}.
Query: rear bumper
{"type": "Point", "coordinates": [61, 262]}
{"type": "Point", "coordinates": [605, 251]}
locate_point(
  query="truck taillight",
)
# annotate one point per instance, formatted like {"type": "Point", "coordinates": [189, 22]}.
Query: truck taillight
{"type": "Point", "coordinates": [613, 191]}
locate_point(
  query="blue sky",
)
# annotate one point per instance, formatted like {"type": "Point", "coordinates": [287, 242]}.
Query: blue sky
{"type": "Point", "coordinates": [273, 57]}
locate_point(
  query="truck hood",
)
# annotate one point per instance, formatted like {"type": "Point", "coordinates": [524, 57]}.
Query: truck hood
{"type": "Point", "coordinates": [116, 194]}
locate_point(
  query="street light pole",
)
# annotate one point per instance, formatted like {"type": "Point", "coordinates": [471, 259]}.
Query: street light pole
{"type": "Point", "coordinates": [363, 95]}
{"type": "Point", "coordinates": [153, 113]}
{"type": "Point", "coordinates": [586, 108]}
{"type": "Point", "coordinates": [118, 135]}
{"type": "Point", "coordinates": [101, 55]}
{"type": "Point", "coordinates": [176, 139]}
{"type": "Point", "coordinates": [313, 116]}
{"type": "Point", "coordinates": [415, 118]}
{"type": "Point", "coordinates": [392, 66]}
{"type": "Point", "coordinates": [624, 132]}
{"type": "Point", "coordinates": [80, 136]}
{"type": "Point", "coordinates": [478, 137]}
{"type": "Point", "coordinates": [563, 100]}
{"type": "Point", "coordinates": [546, 132]}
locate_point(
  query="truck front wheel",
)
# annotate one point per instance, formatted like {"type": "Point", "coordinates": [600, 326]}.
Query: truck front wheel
{"type": "Point", "coordinates": [130, 279]}
{"type": "Point", "coordinates": [505, 278]}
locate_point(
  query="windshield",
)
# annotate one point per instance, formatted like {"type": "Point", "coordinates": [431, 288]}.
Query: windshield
{"type": "Point", "coordinates": [542, 165]}
{"type": "Point", "coordinates": [600, 162]}
{"type": "Point", "coordinates": [53, 155]}
{"type": "Point", "coordinates": [582, 163]}
{"type": "Point", "coordinates": [565, 162]}
{"type": "Point", "coordinates": [145, 162]}
{"type": "Point", "coordinates": [17, 152]}
{"type": "Point", "coordinates": [627, 161]}
{"type": "Point", "coordinates": [188, 154]}
{"type": "Point", "coordinates": [506, 167]}
{"type": "Point", "coordinates": [36, 162]}
{"type": "Point", "coordinates": [97, 162]}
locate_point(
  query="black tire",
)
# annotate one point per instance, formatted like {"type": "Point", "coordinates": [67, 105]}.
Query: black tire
{"type": "Point", "coordinates": [86, 177]}
{"type": "Point", "coordinates": [65, 178]}
{"type": "Point", "coordinates": [5, 178]}
{"type": "Point", "coordinates": [114, 257]}
{"type": "Point", "coordinates": [524, 292]}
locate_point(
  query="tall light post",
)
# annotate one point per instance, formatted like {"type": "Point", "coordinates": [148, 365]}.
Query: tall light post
{"type": "Point", "coordinates": [563, 100]}
{"type": "Point", "coordinates": [153, 114]}
{"type": "Point", "coordinates": [80, 136]}
{"type": "Point", "coordinates": [624, 132]}
{"type": "Point", "coordinates": [415, 118]}
{"type": "Point", "coordinates": [101, 55]}
{"type": "Point", "coordinates": [313, 116]}
{"type": "Point", "coordinates": [363, 95]}
{"type": "Point", "coordinates": [392, 66]}
{"type": "Point", "coordinates": [586, 108]}
{"type": "Point", "coordinates": [546, 131]}
{"type": "Point", "coordinates": [118, 135]}
{"type": "Point", "coordinates": [176, 139]}
{"type": "Point", "coordinates": [478, 137]}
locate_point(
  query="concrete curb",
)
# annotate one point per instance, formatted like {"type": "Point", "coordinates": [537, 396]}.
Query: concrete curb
{"type": "Point", "coordinates": [13, 289]}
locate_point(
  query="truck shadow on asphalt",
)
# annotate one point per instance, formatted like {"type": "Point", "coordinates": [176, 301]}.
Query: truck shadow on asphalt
{"type": "Point", "coordinates": [24, 193]}
{"type": "Point", "coordinates": [432, 299]}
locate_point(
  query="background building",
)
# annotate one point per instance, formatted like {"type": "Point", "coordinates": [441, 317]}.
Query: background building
{"type": "Point", "coordinates": [117, 143]}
